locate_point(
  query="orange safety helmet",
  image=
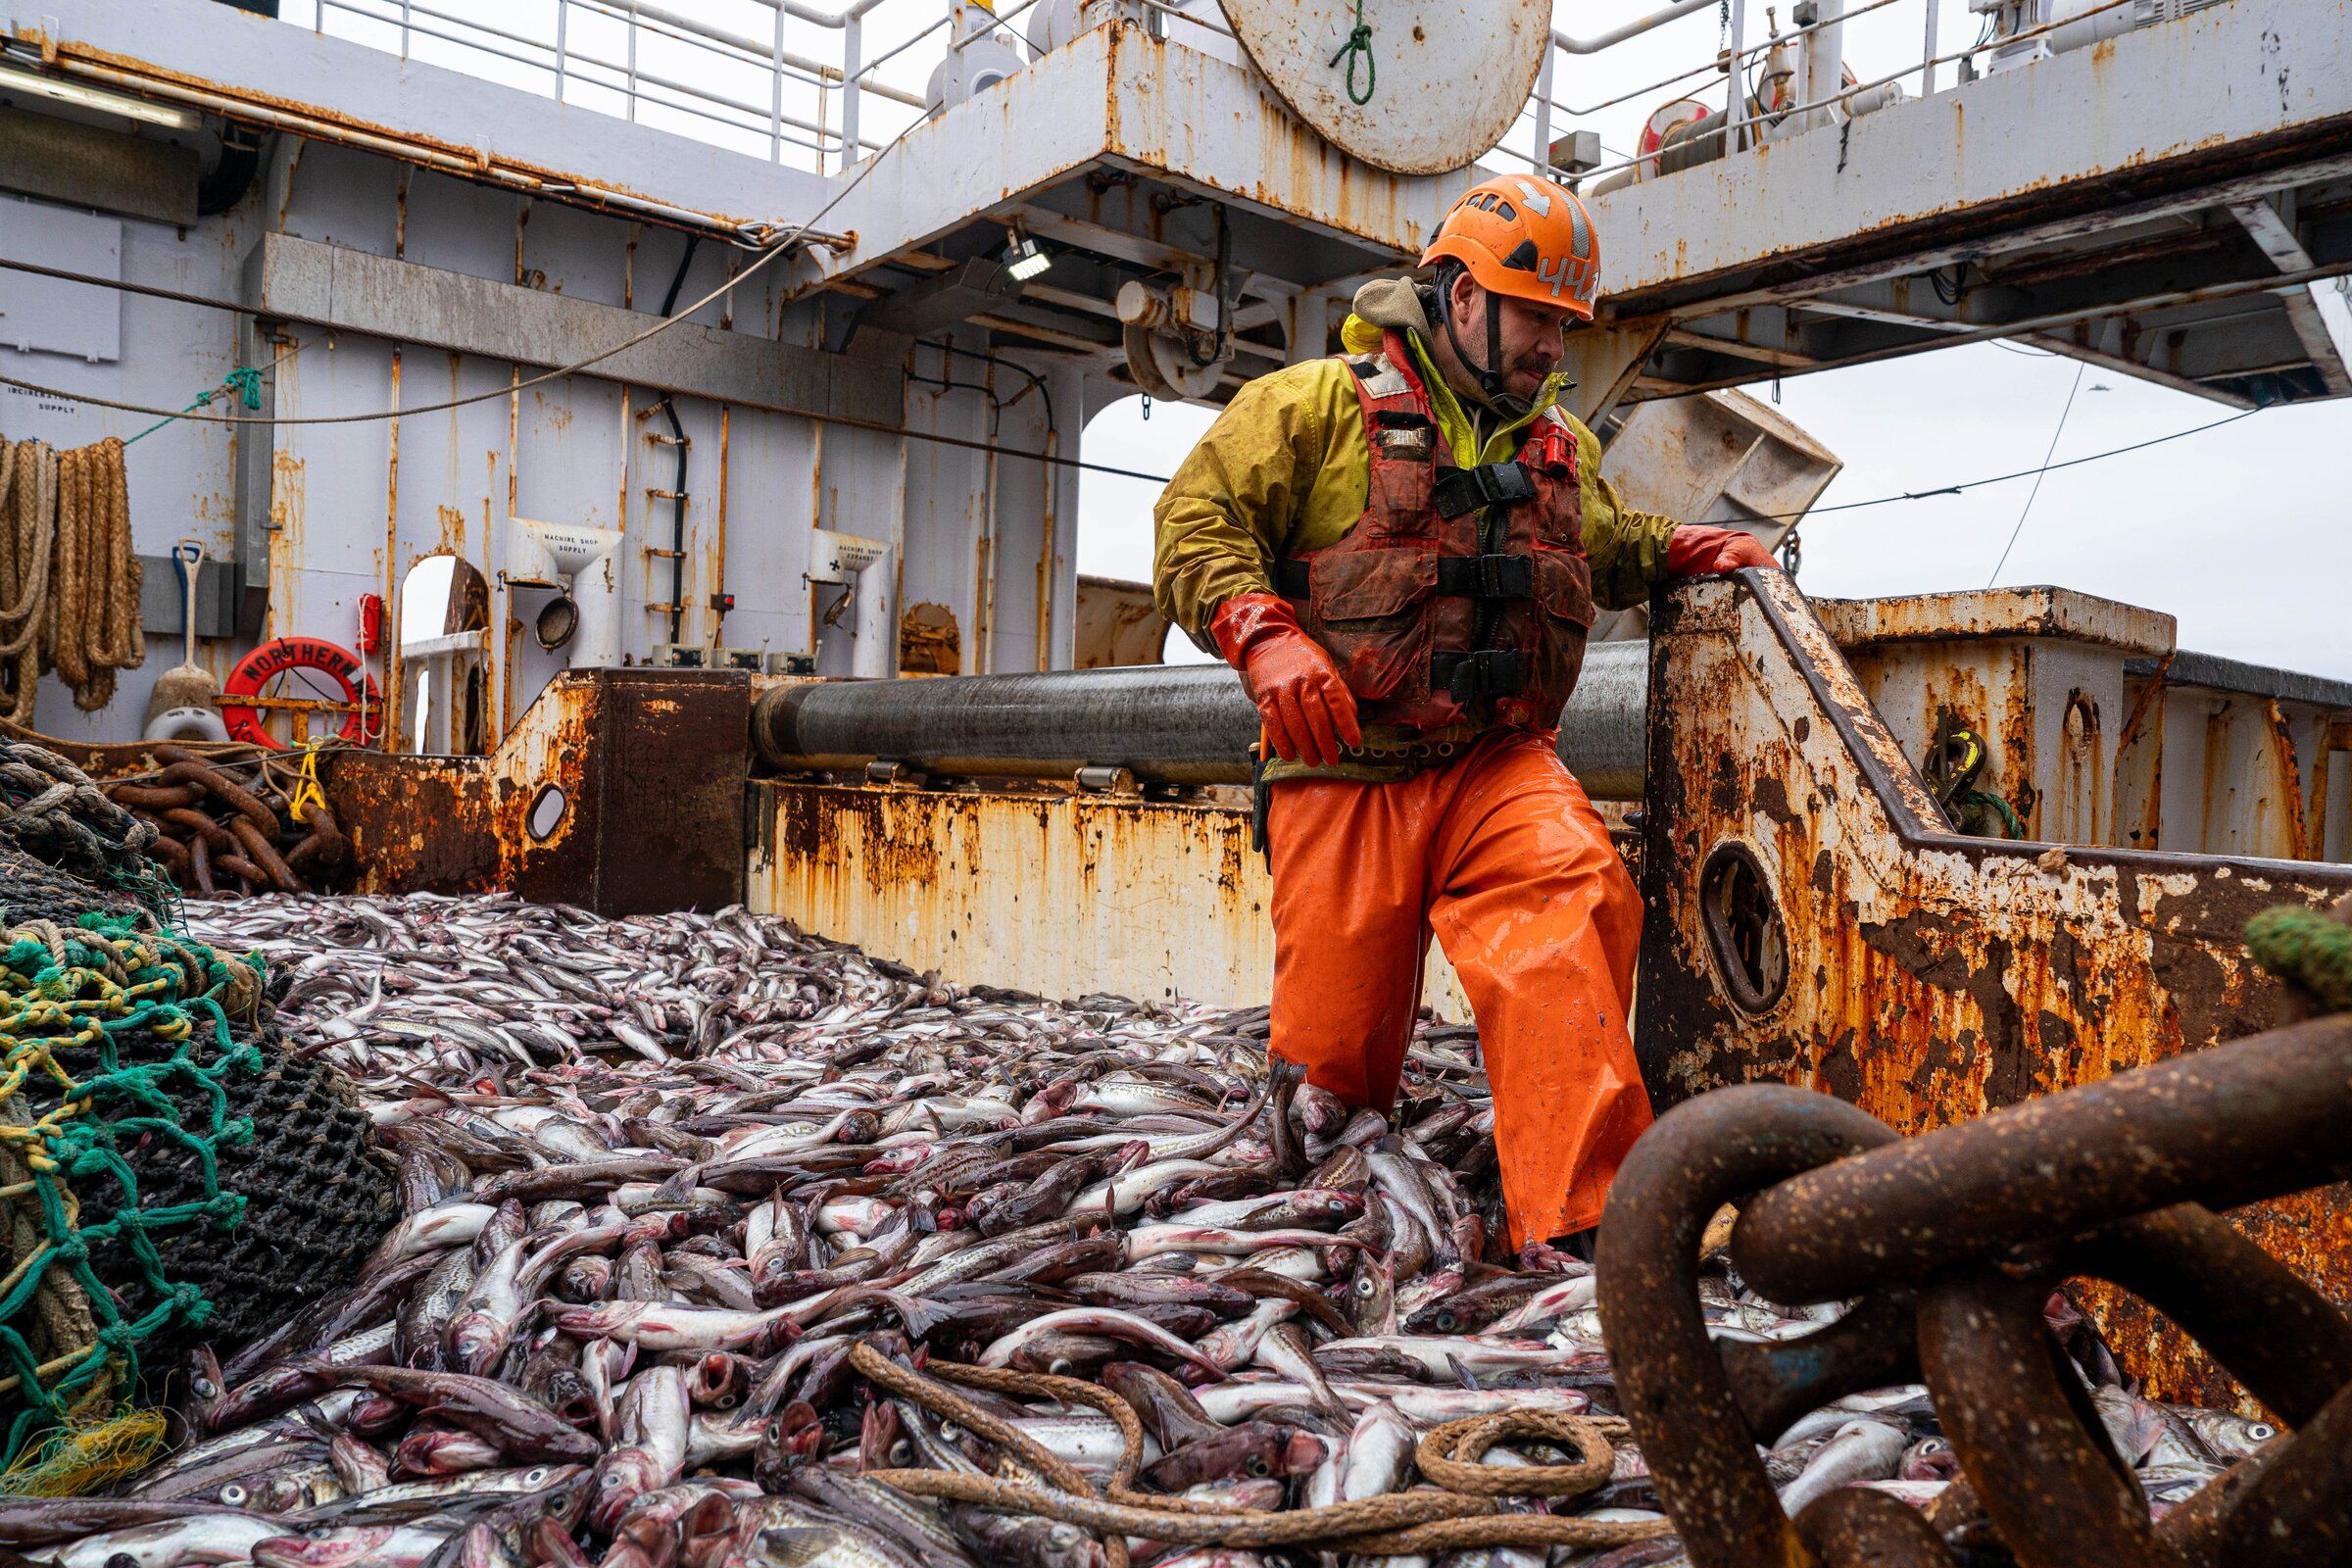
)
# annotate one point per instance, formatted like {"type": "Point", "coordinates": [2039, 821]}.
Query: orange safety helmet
{"type": "Point", "coordinates": [1525, 236]}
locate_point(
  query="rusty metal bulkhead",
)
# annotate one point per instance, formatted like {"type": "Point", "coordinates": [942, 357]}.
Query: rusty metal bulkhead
{"type": "Point", "coordinates": [1814, 922]}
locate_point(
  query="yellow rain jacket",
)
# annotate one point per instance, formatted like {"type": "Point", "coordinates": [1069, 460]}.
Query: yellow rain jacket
{"type": "Point", "coordinates": [1285, 470]}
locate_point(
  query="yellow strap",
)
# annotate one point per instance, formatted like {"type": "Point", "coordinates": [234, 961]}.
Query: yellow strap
{"type": "Point", "coordinates": [306, 790]}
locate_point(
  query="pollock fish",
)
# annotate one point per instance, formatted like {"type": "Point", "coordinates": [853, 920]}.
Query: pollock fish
{"type": "Point", "coordinates": [660, 1175]}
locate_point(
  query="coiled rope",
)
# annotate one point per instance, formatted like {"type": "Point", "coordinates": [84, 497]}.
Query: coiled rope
{"type": "Point", "coordinates": [1462, 1514]}
{"type": "Point", "coordinates": [70, 578]}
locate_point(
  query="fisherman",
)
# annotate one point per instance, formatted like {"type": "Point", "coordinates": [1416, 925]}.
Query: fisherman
{"type": "Point", "coordinates": [1402, 549]}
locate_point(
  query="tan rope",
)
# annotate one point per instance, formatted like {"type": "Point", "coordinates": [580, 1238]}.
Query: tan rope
{"type": "Point", "coordinates": [70, 590]}
{"type": "Point", "coordinates": [70, 566]}
{"type": "Point", "coordinates": [1401, 1523]}
{"type": "Point", "coordinates": [27, 539]}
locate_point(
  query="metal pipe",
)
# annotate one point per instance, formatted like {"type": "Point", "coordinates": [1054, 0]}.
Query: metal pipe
{"type": "Point", "coordinates": [1824, 55]}
{"type": "Point", "coordinates": [1544, 115]}
{"type": "Point", "coordinates": [1167, 723]}
{"type": "Point", "coordinates": [1735, 102]}
{"type": "Point", "coordinates": [1632, 30]}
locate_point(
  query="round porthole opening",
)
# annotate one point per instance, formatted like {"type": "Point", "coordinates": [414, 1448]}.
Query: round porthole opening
{"type": "Point", "coordinates": [546, 813]}
{"type": "Point", "coordinates": [1745, 928]}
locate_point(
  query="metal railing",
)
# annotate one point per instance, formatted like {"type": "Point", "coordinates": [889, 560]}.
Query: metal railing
{"type": "Point", "coordinates": [758, 91]}
{"type": "Point", "coordinates": [593, 54]}
{"type": "Point", "coordinates": [1817, 40]}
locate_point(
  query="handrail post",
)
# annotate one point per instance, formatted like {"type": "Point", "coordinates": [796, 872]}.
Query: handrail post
{"type": "Point", "coordinates": [1734, 98]}
{"type": "Point", "coordinates": [563, 16]}
{"type": "Point", "coordinates": [776, 101]}
{"type": "Point", "coordinates": [1926, 71]}
{"type": "Point", "coordinates": [632, 72]}
{"type": "Point", "coordinates": [852, 37]}
{"type": "Point", "coordinates": [1544, 107]}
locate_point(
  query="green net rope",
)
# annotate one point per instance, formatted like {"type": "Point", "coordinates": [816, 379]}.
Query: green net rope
{"type": "Point", "coordinates": [122, 1034]}
{"type": "Point", "coordinates": [2307, 945]}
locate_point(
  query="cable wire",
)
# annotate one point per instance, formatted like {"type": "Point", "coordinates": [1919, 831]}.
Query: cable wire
{"type": "Point", "coordinates": [2021, 473]}
{"type": "Point", "coordinates": [782, 244]}
{"type": "Point", "coordinates": [2027, 509]}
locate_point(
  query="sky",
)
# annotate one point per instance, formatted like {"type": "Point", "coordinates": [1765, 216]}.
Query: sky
{"type": "Point", "coordinates": [2239, 532]}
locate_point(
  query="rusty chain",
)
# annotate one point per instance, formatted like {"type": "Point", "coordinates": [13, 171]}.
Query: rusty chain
{"type": "Point", "coordinates": [1948, 1245]}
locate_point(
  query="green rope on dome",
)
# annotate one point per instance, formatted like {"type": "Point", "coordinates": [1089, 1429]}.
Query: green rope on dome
{"type": "Point", "coordinates": [1358, 49]}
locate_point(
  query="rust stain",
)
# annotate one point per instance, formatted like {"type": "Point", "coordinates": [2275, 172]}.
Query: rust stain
{"type": "Point", "coordinates": [391, 554]}
{"type": "Point", "coordinates": [1933, 978]}
{"type": "Point", "coordinates": [457, 158]}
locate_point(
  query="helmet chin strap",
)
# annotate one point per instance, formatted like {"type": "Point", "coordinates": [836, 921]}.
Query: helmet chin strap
{"type": "Point", "coordinates": [1493, 389]}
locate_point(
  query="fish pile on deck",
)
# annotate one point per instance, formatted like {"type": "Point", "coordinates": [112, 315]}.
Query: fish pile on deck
{"type": "Point", "coordinates": [661, 1174]}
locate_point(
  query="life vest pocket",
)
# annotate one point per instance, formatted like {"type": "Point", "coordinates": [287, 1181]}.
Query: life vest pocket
{"type": "Point", "coordinates": [1367, 604]}
{"type": "Point", "coordinates": [1564, 588]}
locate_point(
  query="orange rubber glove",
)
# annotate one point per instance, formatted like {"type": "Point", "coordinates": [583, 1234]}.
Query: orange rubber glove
{"type": "Point", "coordinates": [1305, 706]}
{"type": "Point", "coordinates": [1697, 552]}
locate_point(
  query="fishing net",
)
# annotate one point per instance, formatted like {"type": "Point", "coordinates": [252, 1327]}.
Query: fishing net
{"type": "Point", "coordinates": [50, 810]}
{"type": "Point", "coordinates": [2310, 947]}
{"type": "Point", "coordinates": [172, 1174]}
{"type": "Point", "coordinates": [115, 1044]}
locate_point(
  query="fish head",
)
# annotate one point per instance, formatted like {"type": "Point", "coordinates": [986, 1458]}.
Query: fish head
{"type": "Point", "coordinates": [205, 1385]}
{"type": "Point", "coordinates": [898, 1162]}
{"type": "Point", "coordinates": [1066, 1546]}
{"type": "Point", "coordinates": [477, 1339]}
{"type": "Point", "coordinates": [1301, 1454]}
{"type": "Point", "coordinates": [716, 1382]}
{"type": "Point", "coordinates": [2229, 1435]}
{"type": "Point", "coordinates": [1330, 1206]}
{"type": "Point", "coordinates": [440, 1451]}
{"type": "Point", "coordinates": [1318, 1110]}
{"type": "Point", "coordinates": [620, 1476]}
{"type": "Point", "coordinates": [649, 1541]}
{"type": "Point", "coordinates": [322, 1548]}
{"type": "Point", "coordinates": [567, 1391]}
{"type": "Point", "coordinates": [372, 1415]}
{"type": "Point", "coordinates": [1372, 1295]}
{"type": "Point", "coordinates": [1929, 1459]}
{"type": "Point", "coordinates": [706, 1533]}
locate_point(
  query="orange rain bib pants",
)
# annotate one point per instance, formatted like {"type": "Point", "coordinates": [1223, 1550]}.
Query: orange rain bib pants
{"type": "Point", "coordinates": [1501, 856]}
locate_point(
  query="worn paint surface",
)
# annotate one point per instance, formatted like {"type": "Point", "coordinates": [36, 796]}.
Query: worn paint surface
{"type": "Point", "coordinates": [646, 810]}
{"type": "Point", "coordinates": [1930, 977]}
{"type": "Point", "coordinates": [1042, 889]}
{"type": "Point", "coordinates": [1117, 625]}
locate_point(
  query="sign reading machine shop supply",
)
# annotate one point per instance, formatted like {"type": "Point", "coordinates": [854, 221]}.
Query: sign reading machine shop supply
{"type": "Point", "coordinates": [1412, 86]}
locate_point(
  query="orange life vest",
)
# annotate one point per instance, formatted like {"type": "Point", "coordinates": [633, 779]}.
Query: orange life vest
{"type": "Point", "coordinates": [1461, 595]}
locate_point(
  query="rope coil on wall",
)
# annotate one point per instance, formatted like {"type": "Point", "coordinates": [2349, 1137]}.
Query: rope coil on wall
{"type": "Point", "coordinates": [70, 578]}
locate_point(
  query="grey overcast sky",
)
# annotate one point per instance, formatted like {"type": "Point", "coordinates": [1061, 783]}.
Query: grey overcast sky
{"type": "Point", "coordinates": [2239, 532]}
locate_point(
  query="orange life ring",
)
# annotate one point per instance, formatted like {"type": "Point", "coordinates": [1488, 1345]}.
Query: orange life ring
{"type": "Point", "coordinates": [280, 654]}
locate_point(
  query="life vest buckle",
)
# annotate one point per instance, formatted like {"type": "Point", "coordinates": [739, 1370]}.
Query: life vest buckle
{"type": "Point", "coordinates": [1461, 490]}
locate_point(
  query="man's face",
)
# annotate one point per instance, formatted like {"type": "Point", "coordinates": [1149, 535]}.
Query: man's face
{"type": "Point", "coordinates": [1532, 334]}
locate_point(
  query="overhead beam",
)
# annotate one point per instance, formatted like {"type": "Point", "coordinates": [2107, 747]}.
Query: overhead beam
{"type": "Point", "coordinates": [407, 301]}
{"type": "Point", "coordinates": [2165, 114]}
{"type": "Point", "coordinates": [1739, 349]}
{"type": "Point", "coordinates": [2317, 312]}
{"type": "Point", "coordinates": [1976, 247]}
{"type": "Point", "coordinates": [2107, 360]}
{"type": "Point", "coordinates": [1883, 315]}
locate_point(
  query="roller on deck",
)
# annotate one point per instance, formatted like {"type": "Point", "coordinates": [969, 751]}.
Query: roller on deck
{"type": "Point", "coordinates": [1167, 723]}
